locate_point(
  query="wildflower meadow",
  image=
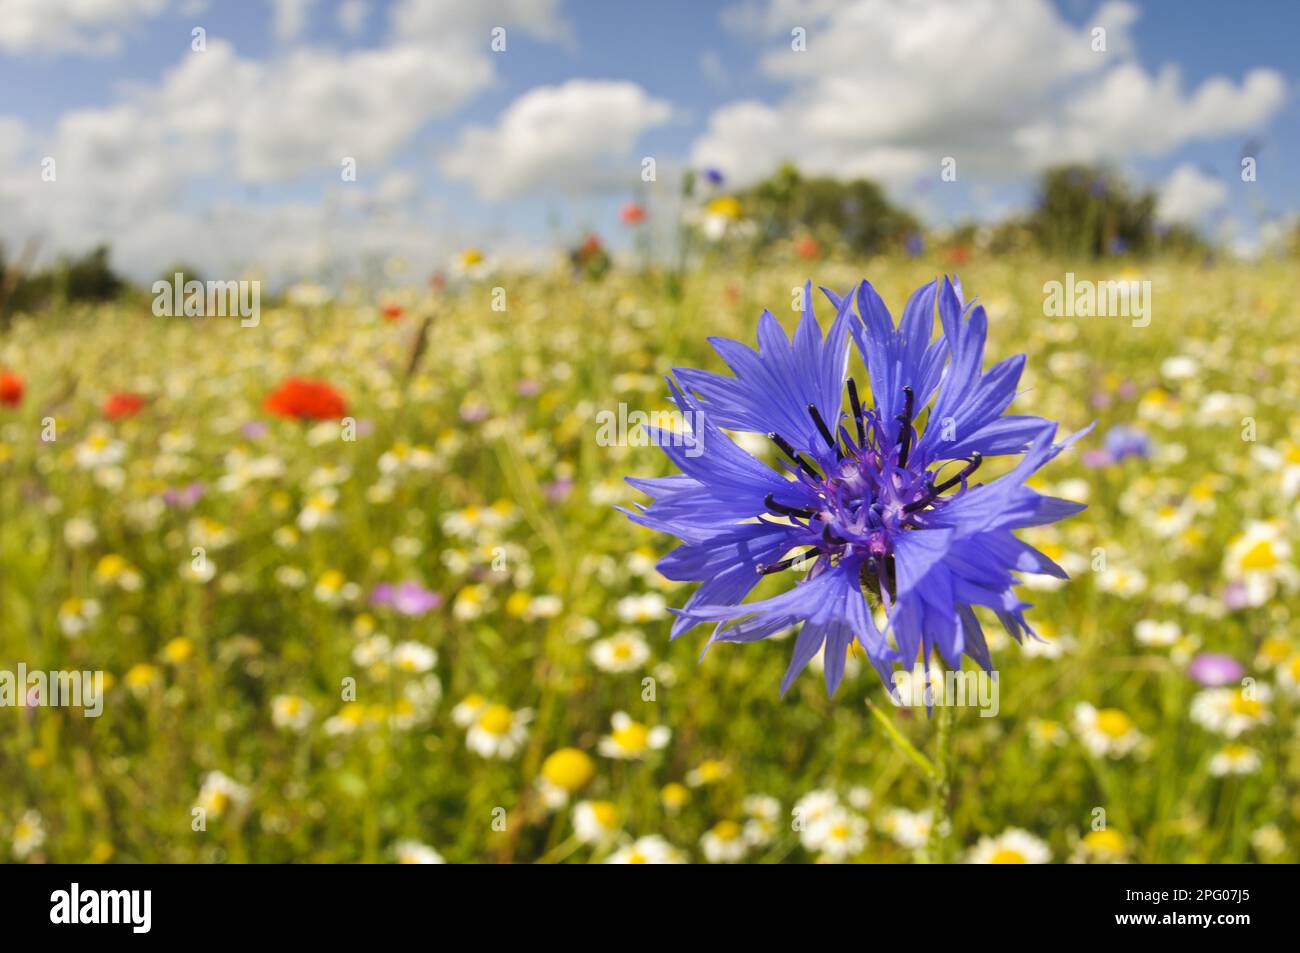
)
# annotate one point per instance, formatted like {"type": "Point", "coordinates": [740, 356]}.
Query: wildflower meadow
{"type": "Point", "coordinates": [539, 432]}
{"type": "Point", "coordinates": [396, 613]}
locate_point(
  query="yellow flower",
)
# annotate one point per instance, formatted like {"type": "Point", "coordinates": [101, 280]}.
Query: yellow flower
{"type": "Point", "coordinates": [142, 676]}
{"type": "Point", "coordinates": [709, 771]}
{"type": "Point", "coordinates": [1106, 843]}
{"type": "Point", "coordinates": [674, 796]}
{"type": "Point", "coordinates": [517, 603]}
{"type": "Point", "coordinates": [725, 206]}
{"type": "Point", "coordinates": [569, 769]}
{"type": "Point", "coordinates": [178, 650]}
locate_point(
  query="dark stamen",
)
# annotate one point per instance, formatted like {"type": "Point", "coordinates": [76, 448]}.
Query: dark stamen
{"type": "Point", "coordinates": [825, 431]}
{"type": "Point", "coordinates": [923, 502]}
{"type": "Point", "coordinates": [768, 569]}
{"type": "Point", "coordinates": [784, 510]}
{"type": "Point", "coordinates": [905, 435]}
{"type": "Point", "coordinates": [857, 412]}
{"type": "Point", "coordinates": [831, 537]}
{"type": "Point", "coordinates": [790, 452]}
{"type": "Point", "coordinates": [972, 465]}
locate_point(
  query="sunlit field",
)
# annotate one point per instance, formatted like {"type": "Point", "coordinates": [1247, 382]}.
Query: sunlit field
{"type": "Point", "coordinates": [425, 630]}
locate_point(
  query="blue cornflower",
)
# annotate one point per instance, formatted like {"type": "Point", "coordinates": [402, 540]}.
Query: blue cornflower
{"type": "Point", "coordinates": [1122, 442]}
{"type": "Point", "coordinates": [869, 502]}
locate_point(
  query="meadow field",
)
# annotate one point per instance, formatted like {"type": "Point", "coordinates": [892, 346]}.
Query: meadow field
{"type": "Point", "coordinates": [423, 631]}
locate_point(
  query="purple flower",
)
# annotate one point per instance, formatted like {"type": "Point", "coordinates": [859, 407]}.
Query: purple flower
{"type": "Point", "coordinates": [714, 176]}
{"type": "Point", "coordinates": [558, 491]}
{"type": "Point", "coordinates": [1123, 441]}
{"type": "Point", "coordinates": [879, 510]}
{"type": "Point", "coordinates": [255, 430]}
{"type": "Point", "coordinates": [1236, 596]}
{"type": "Point", "coordinates": [1096, 458]}
{"type": "Point", "coordinates": [408, 599]}
{"type": "Point", "coordinates": [1213, 669]}
{"type": "Point", "coordinates": [184, 497]}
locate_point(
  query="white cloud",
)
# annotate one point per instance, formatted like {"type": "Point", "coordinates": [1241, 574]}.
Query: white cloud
{"type": "Point", "coordinates": [70, 26]}
{"type": "Point", "coordinates": [577, 137]}
{"type": "Point", "coordinates": [131, 173]}
{"type": "Point", "coordinates": [1130, 113]}
{"type": "Point", "coordinates": [889, 89]}
{"type": "Point", "coordinates": [1188, 195]}
{"type": "Point", "coordinates": [352, 15]}
{"type": "Point", "coordinates": [439, 21]}
{"type": "Point", "coordinates": [290, 17]}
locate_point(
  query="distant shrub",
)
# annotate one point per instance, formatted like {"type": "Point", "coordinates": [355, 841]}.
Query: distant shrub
{"type": "Point", "coordinates": [854, 214]}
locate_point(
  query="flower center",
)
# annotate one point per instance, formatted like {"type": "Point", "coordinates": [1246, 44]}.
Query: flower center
{"type": "Point", "coordinates": [495, 720]}
{"type": "Point", "coordinates": [869, 493]}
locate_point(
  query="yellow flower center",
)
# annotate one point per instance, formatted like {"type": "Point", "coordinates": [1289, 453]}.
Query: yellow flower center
{"type": "Point", "coordinates": [568, 768]}
{"type": "Point", "coordinates": [1241, 705]}
{"type": "Point", "coordinates": [1113, 723]}
{"type": "Point", "coordinates": [726, 830]}
{"type": "Point", "coordinates": [1104, 841]}
{"type": "Point", "coordinates": [1260, 556]}
{"type": "Point", "coordinates": [496, 719]}
{"type": "Point", "coordinates": [1006, 855]}
{"type": "Point", "coordinates": [633, 736]}
{"type": "Point", "coordinates": [606, 814]}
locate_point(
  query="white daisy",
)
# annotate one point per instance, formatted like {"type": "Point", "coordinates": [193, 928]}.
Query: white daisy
{"type": "Point", "coordinates": [622, 652]}
{"type": "Point", "coordinates": [1106, 732]}
{"type": "Point", "coordinates": [413, 852]}
{"type": "Point", "coordinates": [498, 732]}
{"type": "Point", "coordinates": [630, 740]}
{"type": "Point", "coordinates": [1012, 846]}
{"type": "Point", "coordinates": [647, 850]}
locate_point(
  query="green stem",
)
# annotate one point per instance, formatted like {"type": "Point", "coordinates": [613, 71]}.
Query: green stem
{"type": "Point", "coordinates": [936, 848]}
{"type": "Point", "coordinates": [905, 746]}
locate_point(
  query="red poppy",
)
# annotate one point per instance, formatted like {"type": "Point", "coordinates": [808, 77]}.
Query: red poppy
{"type": "Point", "coordinates": [591, 245]}
{"type": "Point", "coordinates": [120, 406]}
{"type": "Point", "coordinates": [633, 213]}
{"type": "Point", "coordinates": [11, 389]}
{"type": "Point", "coordinates": [806, 246]}
{"type": "Point", "coordinates": [957, 255]}
{"type": "Point", "coordinates": [392, 312]}
{"type": "Point", "coordinates": [304, 399]}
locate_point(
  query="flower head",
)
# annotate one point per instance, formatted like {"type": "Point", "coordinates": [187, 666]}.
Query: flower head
{"type": "Point", "coordinates": [304, 399]}
{"type": "Point", "coordinates": [868, 503]}
{"type": "Point", "coordinates": [11, 389]}
{"type": "Point", "coordinates": [1012, 846]}
{"type": "Point", "coordinates": [122, 405]}
{"type": "Point", "coordinates": [408, 598]}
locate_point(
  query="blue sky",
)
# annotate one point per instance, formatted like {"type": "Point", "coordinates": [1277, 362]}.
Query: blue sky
{"type": "Point", "coordinates": [174, 152]}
